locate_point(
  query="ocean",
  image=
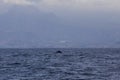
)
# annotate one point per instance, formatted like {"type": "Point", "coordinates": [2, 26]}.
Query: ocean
{"type": "Point", "coordinates": [71, 64]}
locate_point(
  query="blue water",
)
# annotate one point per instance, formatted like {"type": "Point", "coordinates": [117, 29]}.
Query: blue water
{"type": "Point", "coordinates": [72, 64]}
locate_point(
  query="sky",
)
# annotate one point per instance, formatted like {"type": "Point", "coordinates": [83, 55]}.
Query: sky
{"type": "Point", "coordinates": [59, 23]}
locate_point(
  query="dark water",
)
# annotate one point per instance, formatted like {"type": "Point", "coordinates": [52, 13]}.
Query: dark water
{"type": "Point", "coordinates": [72, 64]}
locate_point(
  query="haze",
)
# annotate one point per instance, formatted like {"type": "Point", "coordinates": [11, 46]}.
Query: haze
{"type": "Point", "coordinates": [59, 23]}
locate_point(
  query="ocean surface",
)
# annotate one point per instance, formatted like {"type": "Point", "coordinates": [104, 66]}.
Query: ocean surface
{"type": "Point", "coordinates": [71, 64]}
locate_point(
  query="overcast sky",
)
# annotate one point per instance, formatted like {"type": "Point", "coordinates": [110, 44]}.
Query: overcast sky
{"type": "Point", "coordinates": [59, 23]}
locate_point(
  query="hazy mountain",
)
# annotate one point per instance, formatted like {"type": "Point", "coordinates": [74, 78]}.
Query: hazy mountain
{"type": "Point", "coordinates": [25, 26]}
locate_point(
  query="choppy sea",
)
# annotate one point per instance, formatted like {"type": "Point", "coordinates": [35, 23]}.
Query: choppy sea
{"type": "Point", "coordinates": [71, 64]}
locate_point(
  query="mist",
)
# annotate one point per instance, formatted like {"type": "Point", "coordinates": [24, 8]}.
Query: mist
{"type": "Point", "coordinates": [29, 25]}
